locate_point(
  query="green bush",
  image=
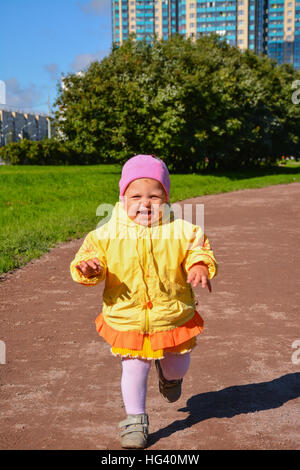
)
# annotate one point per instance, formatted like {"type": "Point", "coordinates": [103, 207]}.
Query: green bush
{"type": "Point", "coordinates": [44, 152]}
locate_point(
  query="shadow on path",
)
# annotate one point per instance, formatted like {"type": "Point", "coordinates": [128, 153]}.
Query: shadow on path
{"type": "Point", "coordinates": [233, 401]}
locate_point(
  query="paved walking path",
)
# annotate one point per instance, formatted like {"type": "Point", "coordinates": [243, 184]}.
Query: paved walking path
{"type": "Point", "coordinates": [60, 387]}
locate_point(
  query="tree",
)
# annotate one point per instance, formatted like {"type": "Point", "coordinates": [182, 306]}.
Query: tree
{"type": "Point", "coordinates": [187, 102]}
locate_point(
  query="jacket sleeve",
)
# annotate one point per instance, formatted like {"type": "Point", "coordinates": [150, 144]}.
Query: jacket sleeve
{"type": "Point", "coordinates": [91, 248]}
{"type": "Point", "coordinates": [199, 249]}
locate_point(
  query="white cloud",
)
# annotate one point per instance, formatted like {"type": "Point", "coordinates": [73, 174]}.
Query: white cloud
{"type": "Point", "coordinates": [82, 61]}
{"type": "Point", "coordinates": [53, 71]}
{"type": "Point", "coordinates": [97, 7]}
{"type": "Point", "coordinates": [24, 98]}
{"type": "Point", "coordinates": [2, 92]}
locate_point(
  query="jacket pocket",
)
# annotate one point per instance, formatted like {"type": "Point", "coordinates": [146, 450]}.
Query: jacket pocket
{"type": "Point", "coordinates": [115, 294]}
{"type": "Point", "coordinates": [171, 294]}
{"type": "Point", "coordinates": [123, 296]}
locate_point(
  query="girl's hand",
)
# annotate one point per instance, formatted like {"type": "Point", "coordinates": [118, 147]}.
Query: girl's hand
{"type": "Point", "coordinates": [90, 268]}
{"type": "Point", "coordinates": [199, 273]}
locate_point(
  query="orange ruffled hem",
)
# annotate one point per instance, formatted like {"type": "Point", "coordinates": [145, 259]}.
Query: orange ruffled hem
{"type": "Point", "coordinates": [158, 340]}
{"type": "Point", "coordinates": [148, 353]}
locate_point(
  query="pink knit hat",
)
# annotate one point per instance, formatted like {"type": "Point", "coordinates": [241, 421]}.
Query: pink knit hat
{"type": "Point", "coordinates": [145, 166]}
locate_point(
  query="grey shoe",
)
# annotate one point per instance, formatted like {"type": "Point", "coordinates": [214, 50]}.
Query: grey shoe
{"type": "Point", "coordinates": [135, 432]}
{"type": "Point", "coordinates": [169, 389]}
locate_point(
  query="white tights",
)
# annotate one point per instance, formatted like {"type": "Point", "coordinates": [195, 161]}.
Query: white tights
{"type": "Point", "coordinates": [135, 376]}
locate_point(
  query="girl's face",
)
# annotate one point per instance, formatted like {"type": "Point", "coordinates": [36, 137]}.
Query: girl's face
{"type": "Point", "coordinates": [144, 199]}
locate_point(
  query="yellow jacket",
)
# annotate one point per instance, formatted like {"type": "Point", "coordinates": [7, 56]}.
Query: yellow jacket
{"type": "Point", "coordinates": [145, 271]}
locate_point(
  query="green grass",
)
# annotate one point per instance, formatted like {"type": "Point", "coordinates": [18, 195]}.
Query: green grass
{"type": "Point", "coordinates": [41, 206]}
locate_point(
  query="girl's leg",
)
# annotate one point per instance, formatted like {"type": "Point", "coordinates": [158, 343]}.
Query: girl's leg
{"type": "Point", "coordinates": [134, 384]}
{"type": "Point", "coordinates": [175, 366]}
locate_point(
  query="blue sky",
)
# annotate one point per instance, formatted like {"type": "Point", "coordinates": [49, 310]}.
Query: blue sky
{"type": "Point", "coordinates": [41, 40]}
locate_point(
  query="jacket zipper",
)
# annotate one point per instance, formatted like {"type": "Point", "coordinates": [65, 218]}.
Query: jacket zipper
{"type": "Point", "coordinates": [148, 303]}
{"type": "Point", "coordinates": [147, 306]}
{"type": "Point", "coordinates": [146, 320]}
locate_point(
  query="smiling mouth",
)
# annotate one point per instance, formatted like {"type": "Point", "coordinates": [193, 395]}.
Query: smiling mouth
{"type": "Point", "coordinates": [144, 212]}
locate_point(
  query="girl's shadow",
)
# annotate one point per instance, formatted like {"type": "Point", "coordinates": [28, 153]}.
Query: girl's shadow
{"type": "Point", "coordinates": [233, 401]}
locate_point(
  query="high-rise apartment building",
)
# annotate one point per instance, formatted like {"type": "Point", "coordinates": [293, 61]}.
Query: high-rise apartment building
{"type": "Point", "coordinates": [264, 26]}
{"type": "Point", "coordinates": [284, 31]}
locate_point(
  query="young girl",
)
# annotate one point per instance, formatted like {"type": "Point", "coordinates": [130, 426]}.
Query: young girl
{"type": "Point", "coordinates": [149, 260]}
